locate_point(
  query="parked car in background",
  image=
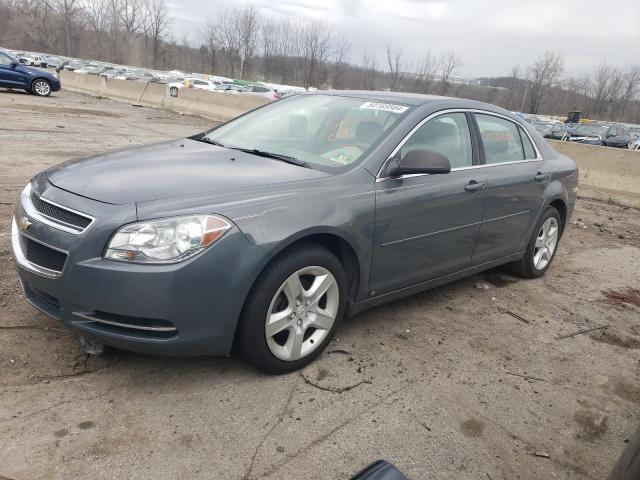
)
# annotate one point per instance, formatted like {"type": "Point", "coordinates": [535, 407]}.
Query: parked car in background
{"type": "Point", "coordinates": [635, 144]}
{"type": "Point", "coordinates": [89, 69]}
{"type": "Point", "coordinates": [73, 65]}
{"type": "Point", "coordinates": [14, 75]}
{"type": "Point", "coordinates": [601, 134]}
{"type": "Point", "coordinates": [53, 62]}
{"type": "Point", "coordinates": [33, 60]}
{"type": "Point", "coordinates": [191, 82]}
{"type": "Point", "coordinates": [552, 130]}
{"type": "Point", "coordinates": [229, 88]}
{"type": "Point", "coordinates": [284, 220]}
{"type": "Point", "coordinates": [260, 91]}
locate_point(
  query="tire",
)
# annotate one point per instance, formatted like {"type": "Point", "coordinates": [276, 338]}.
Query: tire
{"type": "Point", "coordinates": [530, 266]}
{"type": "Point", "coordinates": [628, 465]}
{"type": "Point", "coordinates": [41, 87]}
{"type": "Point", "coordinates": [173, 91]}
{"type": "Point", "coordinates": [271, 297]}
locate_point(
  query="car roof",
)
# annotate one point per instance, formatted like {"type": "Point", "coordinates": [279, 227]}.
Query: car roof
{"type": "Point", "coordinates": [382, 96]}
{"type": "Point", "coordinates": [420, 100]}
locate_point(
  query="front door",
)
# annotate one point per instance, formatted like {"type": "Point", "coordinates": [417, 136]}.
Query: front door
{"type": "Point", "coordinates": [426, 225]}
{"type": "Point", "coordinates": [10, 77]}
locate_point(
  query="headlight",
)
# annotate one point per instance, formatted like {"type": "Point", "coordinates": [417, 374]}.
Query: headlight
{"type": "Point", "coordinates": [167, 240]}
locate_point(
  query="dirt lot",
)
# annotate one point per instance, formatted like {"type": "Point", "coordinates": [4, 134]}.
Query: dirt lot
{"type": "Point", "coordinates": [450, 384]}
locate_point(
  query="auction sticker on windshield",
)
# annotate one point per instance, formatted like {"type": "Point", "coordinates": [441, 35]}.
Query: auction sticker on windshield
{"type": "Point", "coordinates": [387, 107]}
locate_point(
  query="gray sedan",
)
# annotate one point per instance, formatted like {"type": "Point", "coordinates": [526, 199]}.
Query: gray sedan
{"type": "Point", "coordinates": [261, 235]}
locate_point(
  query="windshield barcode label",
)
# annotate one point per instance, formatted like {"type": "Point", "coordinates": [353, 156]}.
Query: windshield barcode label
{"type": "Point", "coordinates": [387, 107]}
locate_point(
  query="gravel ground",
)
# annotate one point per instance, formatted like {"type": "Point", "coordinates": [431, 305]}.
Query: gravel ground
{"type": "Point", "coordinates": [468, 380]}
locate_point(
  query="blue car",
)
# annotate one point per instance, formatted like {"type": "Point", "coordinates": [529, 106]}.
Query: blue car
{"type": "Point", "coordinates": [17, 76]}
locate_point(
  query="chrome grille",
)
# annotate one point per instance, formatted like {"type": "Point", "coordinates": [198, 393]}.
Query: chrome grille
{"type": "Point", "coordinates": [59, 214]}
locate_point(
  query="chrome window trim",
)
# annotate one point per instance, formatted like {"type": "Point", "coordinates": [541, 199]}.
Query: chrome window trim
{"type": "Point", "coordinates": [30, 210]}
{"type": "Point", "coordinates": [539, 157]}
{"type": "Point", "coordinates": [26, 264]}
{"type": "Point", "coordinates": [92, 319]}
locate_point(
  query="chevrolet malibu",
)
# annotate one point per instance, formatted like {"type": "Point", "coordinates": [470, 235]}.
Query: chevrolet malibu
{"type": "Point", "coordinates": [261, 235]}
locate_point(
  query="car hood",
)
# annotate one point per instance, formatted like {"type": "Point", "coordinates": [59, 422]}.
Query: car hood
{"type": "Point", "coordinates": [171, 169]}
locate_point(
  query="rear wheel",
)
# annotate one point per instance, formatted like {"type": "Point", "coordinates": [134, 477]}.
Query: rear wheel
{"type": "Point", "coordinates": [293, 310]}
{"type": "Point", "coordinates": [41, 87]}
{"type": "Point", "coordinates": [542, 246]}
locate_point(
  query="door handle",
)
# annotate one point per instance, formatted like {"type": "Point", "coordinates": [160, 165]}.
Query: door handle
{"type": "Point", "coordinates": [473, 186]}
{"type": "Point", "coordinates": [540, 177]}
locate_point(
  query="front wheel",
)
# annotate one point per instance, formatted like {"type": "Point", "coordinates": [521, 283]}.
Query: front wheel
{"type": "Point", "coordinates": [41, 87]}
{"type": "Point", "coordinates": [173, 91]}
{"type": "Point", "coordinates": [293, 310]}
{"type": "Point", "coordinates": [542, 246]}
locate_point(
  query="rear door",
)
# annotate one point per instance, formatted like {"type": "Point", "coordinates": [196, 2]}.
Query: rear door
{"type": "Point", "coordinates": [515, 190]}
{"type": "Point", "coordinates": [426, 226]}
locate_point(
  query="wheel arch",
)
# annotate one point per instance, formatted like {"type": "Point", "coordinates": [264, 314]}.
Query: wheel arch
{"type": "Point", "coordinates": [338, 244]}
{"type": "Point", "coordinates": [330, 238]}
{"type": "Point", "coordinates": [560, 205]}
{"type": "Point", "coordinates": [333, 240]}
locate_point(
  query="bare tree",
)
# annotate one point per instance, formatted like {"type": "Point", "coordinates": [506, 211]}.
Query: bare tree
{"type": "Point", "coordinates": [368, 72]}
{"type": "Point", "coordinates": [394, 58]}
{"type": "Point", "coordinates": [155, 25]}
{"type": "Point", "coordinates": [316, 48]}
{"type": "Point", "coordinates": [248, 26]}
{"type": "Point", "coordinates": [544, 74]}
{"type": "Point", "coordinates": [227, 37]}
{"type": "Point", "coordinates": [425, 73]}
{"type": "Point", "coordinates": [449, 63]}
{"type": "Point", "coordinates": [340, 53]}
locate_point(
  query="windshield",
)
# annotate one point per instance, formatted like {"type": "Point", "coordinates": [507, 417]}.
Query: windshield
{"type": "Point", "coordinates": [544, 127]}
{"type": "Point", "coordinates": [592, 130]}
{"type": "Point", "coordinates": [323, 131]}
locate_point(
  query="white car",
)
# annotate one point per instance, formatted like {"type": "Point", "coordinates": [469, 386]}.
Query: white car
{"type": "Point", "coordinates": [260, 91]}
{"type": "Point", "coordinates": [193, 83]}
{"type": "Point", "coordinates": [32, 60]}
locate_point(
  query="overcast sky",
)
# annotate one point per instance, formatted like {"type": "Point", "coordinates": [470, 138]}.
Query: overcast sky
{"type": "Point", "coordinates": [491, 35]}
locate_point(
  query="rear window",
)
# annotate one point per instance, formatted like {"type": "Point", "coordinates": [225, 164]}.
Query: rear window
{"type": "Point", "coordinates": [503, 140]}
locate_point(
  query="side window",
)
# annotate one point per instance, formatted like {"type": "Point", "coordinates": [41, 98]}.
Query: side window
{"type": "Point", "coordinates": [529, 151]}
{"type": "Point", "coordinates": [448, 135]}
{"type": "Point", "coordinates": [501, 139]}
{"type": "Point", "coordinates": [4, 59]}
{"type": "Point", "coordinates": [613, 132]}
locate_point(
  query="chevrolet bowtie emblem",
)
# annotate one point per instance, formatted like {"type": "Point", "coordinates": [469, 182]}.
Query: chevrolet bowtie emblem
{"type": "Point", "coordinates": [23, 224]}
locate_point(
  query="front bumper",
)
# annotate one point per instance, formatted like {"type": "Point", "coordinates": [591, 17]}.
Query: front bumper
{"type": "Point", "coordinates": [185, 309]}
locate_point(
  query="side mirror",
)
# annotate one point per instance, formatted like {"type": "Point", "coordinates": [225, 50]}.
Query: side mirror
{"type": "Point", "coordinates": [419, 161]}
{"type": "Point", "coordinates": [14, 64]}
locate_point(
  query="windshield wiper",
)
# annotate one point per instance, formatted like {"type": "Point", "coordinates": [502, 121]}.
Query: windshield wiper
{"type": "Point", "coordinates": [258, 152]}
{"type": "Point", "coordinates": [276, 156]}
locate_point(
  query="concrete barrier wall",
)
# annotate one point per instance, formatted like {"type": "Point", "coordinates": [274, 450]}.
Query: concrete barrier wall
{"type": "Point", "coordinates": [608, 174]}
{"type": "Point", "coordinates": [216, 106]}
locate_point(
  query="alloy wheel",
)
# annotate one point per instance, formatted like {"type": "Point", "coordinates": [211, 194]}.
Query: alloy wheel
{"type": "Point", "coordinates": [42, 88]}
{"type": "Point", "coordinates": [546, 243]}
{"type": "Point", "coordinates": [302, 313]}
